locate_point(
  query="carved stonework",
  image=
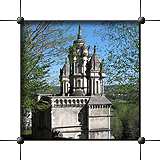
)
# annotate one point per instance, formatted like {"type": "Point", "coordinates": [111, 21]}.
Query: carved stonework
{"type": "Point", "coordinates": [81, 109]}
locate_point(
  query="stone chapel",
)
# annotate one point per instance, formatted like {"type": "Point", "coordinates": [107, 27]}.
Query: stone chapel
{"type": "Point", "coordinates": [81, 110]}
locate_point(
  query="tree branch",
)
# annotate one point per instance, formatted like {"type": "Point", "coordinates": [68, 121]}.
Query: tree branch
{"type": "Point", "coordinates": [132, 37]}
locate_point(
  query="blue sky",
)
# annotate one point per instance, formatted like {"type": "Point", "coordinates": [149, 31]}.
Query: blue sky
{"type": "Point", "coordinates": [87, 35]}
{"type": "Point", "coordinates": [88, 29]}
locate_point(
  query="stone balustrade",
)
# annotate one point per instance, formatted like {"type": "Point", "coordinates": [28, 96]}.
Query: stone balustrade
{"type": "Point", "coordinates": [70, 101]}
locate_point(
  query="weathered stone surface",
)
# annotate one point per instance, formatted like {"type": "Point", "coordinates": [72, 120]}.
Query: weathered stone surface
{"type": "Point", "coordinates": [78, 92]}
{"type": "Point", "coordinates": [98, 123]}
{"type": "Point", "coordinates": [98, 99]}
{"type": "Point", "coordinates": [81, 110]}
{"type": "Point", "coordinates": [99, 112]}
{"type": "Point", "coordinates": [98, 135]}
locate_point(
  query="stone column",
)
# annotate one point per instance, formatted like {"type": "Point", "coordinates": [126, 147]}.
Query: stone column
{"type": "Point", "coordinates": [63, 88]}
{"type": "Point", "coordinates": [52, 102]}
{"type": "Point", "coordinates": [84, 67]}
{"type": "Point", "coordinates": [94, 86]}
{"type": "Point", "coordinates": [87, 86]}
{"type": "Point", "coordinates": [73, 67]}
{"type": "Point", "coordinates": [102, 86]}
{"type": "Point", "coordinates": [74, 82]}
{"type": "Point", "coordinates": [99, 87]}
{"type": "Point", "coordinates": [91, 86]}
{"type": "Point", "coordinates": [83, 82]}
{"type": "Point", "coordinates": [101, 90]}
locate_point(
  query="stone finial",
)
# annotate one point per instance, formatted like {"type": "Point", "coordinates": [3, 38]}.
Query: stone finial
{"type": "Point", "coordinates": [66, 61]}
{"type": "Point", "coordinates": [89, 49]}
{"type": "Point", "coordinates": [94, 49]}
{"type": "Point", "coordinates": [79, 32]}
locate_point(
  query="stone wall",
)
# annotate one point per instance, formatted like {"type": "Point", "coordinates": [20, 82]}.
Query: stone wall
{"type": "Point", "coordinates": [67, 116]}
{"type": "Point", "coordinates": [98, 123]}
{"type": "Point", "coordinates": [98, 111]}
{"type": "Point", "coordinates": [99, 135]}
{"type": "Point", "coordinates": [67, 120]}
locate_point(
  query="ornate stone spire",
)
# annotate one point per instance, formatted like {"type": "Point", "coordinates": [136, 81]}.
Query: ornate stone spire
{"type": "Point", "coordinates": [79, 32]}
{"type": "Point", "coordinates": [80, 29]}
{"type": "Point", "coordinates": [94, 49]}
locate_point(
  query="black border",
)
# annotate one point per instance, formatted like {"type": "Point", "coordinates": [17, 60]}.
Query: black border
{"type": "Point", "coordinates": [150, 56]}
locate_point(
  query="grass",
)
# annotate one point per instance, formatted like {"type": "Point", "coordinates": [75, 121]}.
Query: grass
{"type": "Point", "coordinates": [26, 132]}
{"type": "Point", "coordinates": [71, 138]}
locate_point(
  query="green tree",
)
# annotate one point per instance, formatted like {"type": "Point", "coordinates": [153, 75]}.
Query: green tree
{"type": "Point", "coordinates": [128, 117]}
{"type": "Point", "coordinates": [43, 44]}
{"type": "Point", "coordinates": [130, 121]}
{"type": "Point", "coordinates": [117, 128]}
{"type": "Point", "coordinates": [121, 59]}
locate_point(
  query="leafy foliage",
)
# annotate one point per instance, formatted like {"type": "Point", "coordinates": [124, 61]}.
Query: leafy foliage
{"type": "Point", "coordinates": [125, 124]}
{"type": "Point", "coordinates": [43, 44]}
{"type": "Point", "coordinates": [121, 61]}
{"type": "Point", "coordinates": [26, 132]}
